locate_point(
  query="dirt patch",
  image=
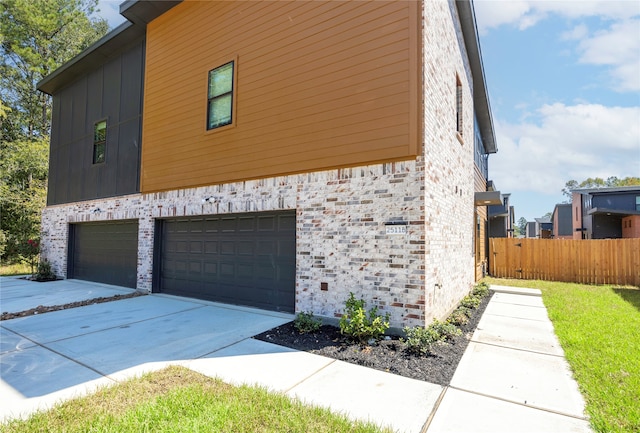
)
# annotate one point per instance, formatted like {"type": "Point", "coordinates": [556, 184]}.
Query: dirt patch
{"type": "Point", "coordinates": [40, 309]}
{"type": "Point", "coordinates": [390, 354]}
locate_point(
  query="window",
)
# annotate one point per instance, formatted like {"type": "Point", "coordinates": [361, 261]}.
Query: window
{"type": "Point", "coordinates": [458, 107]}
{"type": "Point", "coordinates": [638, 202]}
{"type": "Point", "coordinates": [220, 96]}
{"type": "Point", "coordinates": [99, 141]}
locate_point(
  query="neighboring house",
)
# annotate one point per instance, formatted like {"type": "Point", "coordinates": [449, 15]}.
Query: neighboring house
{"type": "Point", "coordinates": [276, 155]}
{"type": "Point", "coordinates": [539, 228]}
{"type": "Point", "coordinates": [602, 213]}
{"type": "Point", "coordinates": [501, 219]}
{"type": "Point", "coordinates": [562, 222]}
{"type": "Point", "coordinates": [544, 227]}
{"type": "Point", "coordinates": [531, 229]}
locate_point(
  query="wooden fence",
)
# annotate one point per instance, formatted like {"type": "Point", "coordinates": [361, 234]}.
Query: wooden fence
{"type": "Point", "coordinates": [606, 261]}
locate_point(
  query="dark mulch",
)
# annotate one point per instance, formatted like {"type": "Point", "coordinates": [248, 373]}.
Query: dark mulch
{"type": "Point", "coordinates": [47, 309]}
{"type": "Point", "coordinates": [388, 355]}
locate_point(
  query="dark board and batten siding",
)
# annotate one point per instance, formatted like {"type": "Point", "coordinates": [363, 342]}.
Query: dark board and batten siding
{"type": "Point", "coordinates": [319, 85]}
{"type": "Point", "coordinates": [112, 91]}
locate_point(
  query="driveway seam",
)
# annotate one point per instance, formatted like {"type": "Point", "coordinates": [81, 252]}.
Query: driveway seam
{"type": "Point", "coordinates": [518, 349]}
{"type": "Point", "coordinates": [434, 409]}
{"type": "Point", "coordinates": [556, 412]}
{"type": "Point", "coordinates": [300, 382]}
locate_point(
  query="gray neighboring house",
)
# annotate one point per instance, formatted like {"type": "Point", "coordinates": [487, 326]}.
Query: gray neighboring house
{"type": "Point", "coordinates": [562, 222]}
{"type": "Point", "coordinates": [606, 213]}
{"type": "Point", "coordinates": [501, 219]}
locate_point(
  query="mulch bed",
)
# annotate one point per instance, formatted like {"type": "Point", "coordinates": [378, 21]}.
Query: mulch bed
{"type": "Point", "coordinates": [47, 309]}
{"type": "Point", "coordinates": [388, 355]}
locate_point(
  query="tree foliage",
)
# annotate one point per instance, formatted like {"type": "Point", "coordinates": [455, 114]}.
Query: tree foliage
{"type": "Point", "coordinates": [597, 182]}
{"type": "Point", "coordinates": [36, 37]}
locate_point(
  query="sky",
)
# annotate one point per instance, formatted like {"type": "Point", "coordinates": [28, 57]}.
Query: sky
{"type": "Point", "coordinates": [563, 79]}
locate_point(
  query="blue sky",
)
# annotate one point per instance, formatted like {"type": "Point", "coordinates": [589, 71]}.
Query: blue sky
{"type": "Point", "coordinates": [564, 86]}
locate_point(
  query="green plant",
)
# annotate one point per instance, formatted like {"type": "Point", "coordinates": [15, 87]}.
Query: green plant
{"type": "Point", "coordinates": [460, 316]}
{"type": "Point", "coordinates": [470, 302]}
{"type": "Point", "coordinates": [45, 273]}
{"type": "Point", "coordinates": [359, 325]}
{"type": "Point", "coordinates": [306, 322]}
{"type": "Point", "coordinates": [480, 290]}
{"type": "Point", "coordinates": [29, 253]}
{"type": "Point", "coordinates": [419, 340]}
{"type": "Point", "coordinates": [445, 330]}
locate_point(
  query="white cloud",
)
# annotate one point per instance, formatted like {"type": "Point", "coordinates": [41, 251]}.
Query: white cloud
{"type": "Point", "coordinates": [619, 48]}
{"type": "Point", "coordinates": [567, 142]}
{"type": "Point", "coordinates": [526, 13]}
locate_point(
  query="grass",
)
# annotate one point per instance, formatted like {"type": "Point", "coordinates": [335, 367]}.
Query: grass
{"type": "Point", "coordinates": [180, 400]}
{"type": "Point", "coordinates": [599, 329]}
{"type": "Point", "coordinates": [15, 269]}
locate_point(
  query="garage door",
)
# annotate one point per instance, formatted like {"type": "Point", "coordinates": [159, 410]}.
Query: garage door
{"type": "Point", "coordinates": [244, 259]}
{"type": "Point", "coordinates": [105, 252]}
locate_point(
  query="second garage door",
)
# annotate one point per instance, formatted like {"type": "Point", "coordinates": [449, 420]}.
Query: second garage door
{"type": "Point", "coordinates": [105, 252]}
{"type": "Point", "coordinates": [244, 259]}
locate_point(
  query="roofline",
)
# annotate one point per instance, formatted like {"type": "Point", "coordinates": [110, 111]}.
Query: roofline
{"type": "Point", "coordinates": [607, 189]}
{"type": "Point", "coordinates": [138, 12]}
{"type": "Point", "coordinates": [480, 95]}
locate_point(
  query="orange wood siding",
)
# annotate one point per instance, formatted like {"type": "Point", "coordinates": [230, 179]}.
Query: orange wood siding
{"type": "Point", "coordinates": [319, 85]}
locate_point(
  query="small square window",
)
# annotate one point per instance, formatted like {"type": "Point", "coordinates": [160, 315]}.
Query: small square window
{"type": "Point", "coordinates": [220, 96]}
{"type": "Point", "coordinates": [99, 141]}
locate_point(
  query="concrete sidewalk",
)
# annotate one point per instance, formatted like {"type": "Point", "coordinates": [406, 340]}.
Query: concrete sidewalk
{"type": "Point", "coordinates": [512, 378]}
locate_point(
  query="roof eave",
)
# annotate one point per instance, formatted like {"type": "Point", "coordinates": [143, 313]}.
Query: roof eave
{"type": "Point", "coordinates": [480, 95]}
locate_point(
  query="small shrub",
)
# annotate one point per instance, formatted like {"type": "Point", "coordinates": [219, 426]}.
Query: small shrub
{"type": "Point", "coordinates": [44, 273]}
{"type": "Point", "coordinates": [470, 302]}
{"type": "Point", "coordinates": [419, 340]}
{"type": "Point", "coordinates": [445, 330]}
{"type": "Point", "coordinates": [460, 316]}
{"type": "Point", "coordinates": [360, 326]}
{"type": "Point", "coordinates": [480, 290]}
{"type": "Point", "coordinates": [306, 322]}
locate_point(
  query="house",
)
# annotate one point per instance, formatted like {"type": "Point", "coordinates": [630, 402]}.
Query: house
{"type": "Point", "coordinates": [562, 222]}
{"type": "Point", "coordinates": [601, 213]}
{"type": "Point", "coordinates": [501, 219]}
{"type": "Point", "coordinates": [276, 155]}
{"type": "Point", "coordinates": [531, 229]}
{"type": "Point", "coordinates": [544, 227]}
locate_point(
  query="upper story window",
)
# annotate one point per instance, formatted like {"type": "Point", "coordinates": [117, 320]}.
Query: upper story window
{"type": "Point", "coordinates": [638, 202]}
{"type": "Point", "coordinates": [99, 141]}
{"type": "Point", "coordinates": [459, 107]}
{"type": "Point", "coordinates": [480, 155]}
{"type": "Point", "coordinates": [220, 97]}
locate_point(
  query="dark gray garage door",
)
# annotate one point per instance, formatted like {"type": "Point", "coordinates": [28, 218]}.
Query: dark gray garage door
{"type": "Point", "coordinates": [105, 252]}
{"type": "Point", "coordinates": [244, 259]}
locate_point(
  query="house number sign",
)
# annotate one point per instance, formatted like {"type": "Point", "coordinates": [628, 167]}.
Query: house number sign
{"type": "Point", "coordinates": [396, 229]}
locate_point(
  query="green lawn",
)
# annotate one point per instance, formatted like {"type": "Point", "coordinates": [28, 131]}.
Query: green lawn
{"type": "Point", "coordinates": [599, 329]}
{"type": "Point", "coordinates": [179, 400]}
{"type": "Point", "coordinates": [15, 269]}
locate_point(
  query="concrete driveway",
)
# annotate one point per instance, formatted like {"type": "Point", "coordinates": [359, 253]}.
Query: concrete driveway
{"type": "Point", "coordinates": [53, 356]}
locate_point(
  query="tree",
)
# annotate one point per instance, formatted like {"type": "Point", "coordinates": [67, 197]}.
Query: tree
{"type": "Point", "coordinates": [522, 226]}
{"type": "Point", "coordinates": [597, 182]}
{"type": "Point", "coordinates": [36, 37]}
